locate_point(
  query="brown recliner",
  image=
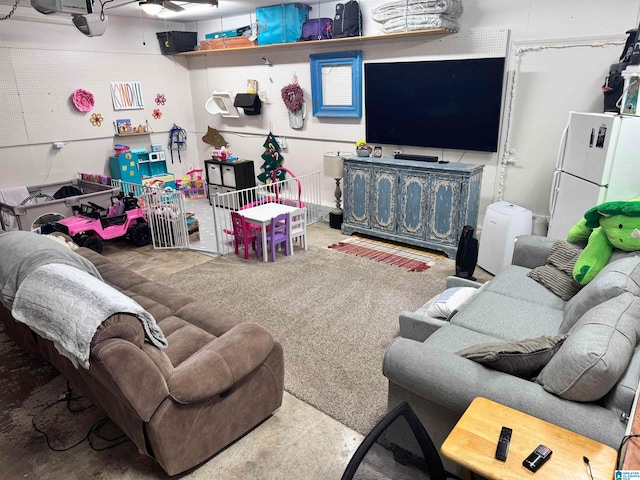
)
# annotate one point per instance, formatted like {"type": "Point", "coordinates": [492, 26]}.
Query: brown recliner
{"type": "Point", "coordinates": [218, 378]}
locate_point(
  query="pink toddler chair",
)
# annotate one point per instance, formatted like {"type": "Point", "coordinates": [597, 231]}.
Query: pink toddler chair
{"type": "Point", "coordinates": [244, 234]}
{"type": "Point", "coordinates": [277, 233]}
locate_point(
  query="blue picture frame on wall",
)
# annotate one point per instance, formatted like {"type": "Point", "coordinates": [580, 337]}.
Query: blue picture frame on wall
{"type": "Point", "coordinates": [336, 84]}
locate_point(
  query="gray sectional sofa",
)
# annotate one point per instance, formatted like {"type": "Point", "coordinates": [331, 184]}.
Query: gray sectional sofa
{"type": "Point", "coordinates": [588, 386]}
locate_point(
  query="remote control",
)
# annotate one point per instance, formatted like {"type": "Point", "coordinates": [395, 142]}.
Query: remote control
{"type": "Point", "coordinates": [537, 458]}
{"type": "Point", "coordinates": [503, 444]}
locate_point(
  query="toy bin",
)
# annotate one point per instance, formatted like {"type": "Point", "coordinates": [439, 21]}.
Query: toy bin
{"type": "Point", "coordinates": [177, 42]}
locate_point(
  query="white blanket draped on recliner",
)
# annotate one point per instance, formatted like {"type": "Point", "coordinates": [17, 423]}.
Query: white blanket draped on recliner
{"type": "Point", "coordinates": [67, 305]}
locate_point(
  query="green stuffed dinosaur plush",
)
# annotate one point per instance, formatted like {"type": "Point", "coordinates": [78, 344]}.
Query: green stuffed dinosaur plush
{"type": "Point", "coordinates": [607, 226]}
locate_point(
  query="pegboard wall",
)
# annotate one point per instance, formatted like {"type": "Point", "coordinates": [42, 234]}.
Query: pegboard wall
{"type": "Point", "coordinates": [226, 72]}
{"type": "Point", "coordinates": [37, 85]}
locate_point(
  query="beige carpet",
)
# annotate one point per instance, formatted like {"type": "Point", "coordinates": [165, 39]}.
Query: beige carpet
{"type": "Point", "coordinates": [334, 313]}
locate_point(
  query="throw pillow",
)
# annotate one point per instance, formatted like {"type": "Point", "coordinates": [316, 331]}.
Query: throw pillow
{"type": "Point", "coordinates": [622, 275]}
{"type": "Point", "coordinates": [450, 301]}
{"type": "Point", "coordinates": [596, 353]}
{"type": "Point", "coordinates": [523, 359]}
{"type": "Point", "coordinates": [557, 274]}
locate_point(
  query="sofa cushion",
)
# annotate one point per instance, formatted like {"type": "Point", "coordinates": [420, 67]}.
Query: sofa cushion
{"type": "Point", "coordinates": [557, 274]}
{"type": "Point", "coordinates": [620, 398]}
{"type": "Point", "coordinates": [523, 359]}
{"type": "Point", "coordinates": [597, 352]}
{"type": "Point", "coordinates": [452, 338]}
{"type": "Point", "coordinates": [184, 339]}
{"type": "Point", "coordinates": [513, 281]}
{"type": "Point", "coordinates": [507, 318]}
{"type": "Point", "coordinates": [622, 275]}
{"type": "Point", "coordinates": [450, 301]}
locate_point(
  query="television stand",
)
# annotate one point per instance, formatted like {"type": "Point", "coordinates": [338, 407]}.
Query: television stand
{"type": "Point", "coordinates": [420, 203]}
{"type": "Point", "coordinates": [419, 158]}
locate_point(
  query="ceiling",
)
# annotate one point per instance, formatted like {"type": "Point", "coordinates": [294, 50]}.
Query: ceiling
{"type": "Point", "coordinates": [193, 12]}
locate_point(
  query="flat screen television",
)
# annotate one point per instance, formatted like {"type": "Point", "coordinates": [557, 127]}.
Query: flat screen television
{"type": "Point", "coordinates": [453, 104]}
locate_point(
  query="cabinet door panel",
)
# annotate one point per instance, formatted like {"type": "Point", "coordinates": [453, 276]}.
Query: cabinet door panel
{"type": "Point", "coordinates": [443, 208]}
{"type": "Point", "coordinates": [412, 201]}
{"type": "Point", "coordinates": [358, 187]}
{"type": "Point", "coordinates": [384, 200]}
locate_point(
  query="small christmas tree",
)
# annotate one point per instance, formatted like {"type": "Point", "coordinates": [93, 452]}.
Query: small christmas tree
{"type": "Point", "coordinates": [272, 160]}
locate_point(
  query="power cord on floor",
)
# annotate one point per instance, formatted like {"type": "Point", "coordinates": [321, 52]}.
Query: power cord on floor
{"type": "Point", "coordinates": [95, 428]}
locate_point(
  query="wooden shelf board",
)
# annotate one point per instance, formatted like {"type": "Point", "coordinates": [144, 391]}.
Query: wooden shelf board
{"type": "Point", "coordinates": [386, 36]}
{"type": "Point", "coordinates": [132, 134]}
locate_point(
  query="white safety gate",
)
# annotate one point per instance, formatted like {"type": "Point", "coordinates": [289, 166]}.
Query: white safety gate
{"type": "Point", "coordinates": [165, 212]}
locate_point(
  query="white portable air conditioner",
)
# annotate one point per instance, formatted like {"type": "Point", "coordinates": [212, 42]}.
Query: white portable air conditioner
{"type": "Point", "coordinates": [503, 222]}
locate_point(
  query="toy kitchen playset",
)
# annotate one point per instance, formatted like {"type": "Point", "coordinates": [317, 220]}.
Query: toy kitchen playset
{"type": "Point", "coordinates": [141, 167]}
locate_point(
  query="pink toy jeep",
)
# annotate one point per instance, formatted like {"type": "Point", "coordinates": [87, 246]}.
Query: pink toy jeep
{"type": "Point", "coordinates": [94, 223]}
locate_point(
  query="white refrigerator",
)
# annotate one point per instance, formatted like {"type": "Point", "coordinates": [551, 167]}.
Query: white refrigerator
{"type": "Point", "coordinates": [598, 161]}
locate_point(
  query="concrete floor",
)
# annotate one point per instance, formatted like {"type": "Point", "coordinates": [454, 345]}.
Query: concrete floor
{"type": "Point", "coordinates": [298, 441]}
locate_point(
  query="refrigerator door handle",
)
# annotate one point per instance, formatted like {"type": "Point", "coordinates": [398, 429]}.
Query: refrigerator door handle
{"type": "Point", "coordinates": [563, 145]}
{"type": "Point", "coordinates": [553, 197]}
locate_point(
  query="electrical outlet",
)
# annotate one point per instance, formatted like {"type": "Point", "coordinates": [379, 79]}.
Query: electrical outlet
{"type": "Point", "coordinates": [282, 142]}
{"type": "Point", "coordinates": [396, 152]}
{"type": "Point", "coordinates": [262, 94]}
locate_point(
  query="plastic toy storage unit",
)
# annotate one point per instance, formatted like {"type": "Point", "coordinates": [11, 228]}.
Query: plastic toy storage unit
{"type": "Point", "coordinates": [223, 177]}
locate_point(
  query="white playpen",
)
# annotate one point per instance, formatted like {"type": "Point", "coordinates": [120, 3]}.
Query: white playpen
{"type": "Point", "coordinates": [172, 226]}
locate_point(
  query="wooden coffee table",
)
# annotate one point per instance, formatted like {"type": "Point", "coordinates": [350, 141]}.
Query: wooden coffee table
{"type": "Point", "coordinates": [472, 444]}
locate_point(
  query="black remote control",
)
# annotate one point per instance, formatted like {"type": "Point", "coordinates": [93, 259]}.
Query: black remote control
{"type": "Point", "coordinates": [537, 458]}
{"type": "Point", "coordinates": [503, 444]}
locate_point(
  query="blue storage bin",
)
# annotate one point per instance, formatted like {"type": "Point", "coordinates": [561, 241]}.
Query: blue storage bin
{"type": "Point", "coordinates": [281, 23]}
{"type": "Point", "coordinates": [225, 34]}
{"type": "Point", "coordinates": [236, 32]}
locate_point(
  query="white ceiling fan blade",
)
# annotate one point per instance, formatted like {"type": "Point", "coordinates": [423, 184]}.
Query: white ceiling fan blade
{"type": "Point", "coordinates": [208, 2]}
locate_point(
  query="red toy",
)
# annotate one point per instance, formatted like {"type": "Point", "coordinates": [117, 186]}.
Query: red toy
{"type": "Point", "coordinates": [94, 223]}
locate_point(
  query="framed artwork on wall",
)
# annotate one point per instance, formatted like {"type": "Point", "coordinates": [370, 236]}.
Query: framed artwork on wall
{"type": "Point", "coordinates": [336, 84]}
{"type": "Point", "coordinates": [126, 96]}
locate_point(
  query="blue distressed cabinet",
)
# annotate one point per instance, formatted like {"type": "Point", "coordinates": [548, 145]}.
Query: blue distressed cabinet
{"type": "Point", "coordinates": [419, 203]}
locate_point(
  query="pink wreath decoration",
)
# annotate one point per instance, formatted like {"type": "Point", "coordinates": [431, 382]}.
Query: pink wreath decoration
{"type": "Point", "coordinates": [292, 96]}
{"type": "Point", "coordinates": [160, 99]}
{"type": "Point", "coordinates": [83, 100]}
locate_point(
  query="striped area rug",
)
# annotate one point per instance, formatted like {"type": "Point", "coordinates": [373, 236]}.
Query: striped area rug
{"type": "Point", "coordinates": [412, 259]}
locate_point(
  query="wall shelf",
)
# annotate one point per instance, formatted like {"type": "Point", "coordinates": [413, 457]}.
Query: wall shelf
{"type": "Point", "coordinates": [386, 36]}
{"type": "Point", "coordinates": [132, 134]}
